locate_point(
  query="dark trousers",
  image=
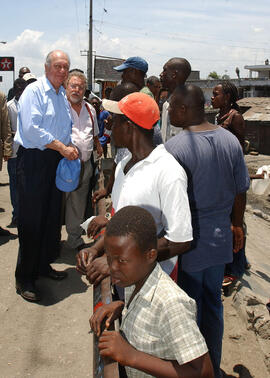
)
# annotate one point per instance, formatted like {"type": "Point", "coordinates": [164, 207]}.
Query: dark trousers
{"type": "Point", "coordinates": [39, 215]}
{"type": "Point", "coordinates": [205, 288]}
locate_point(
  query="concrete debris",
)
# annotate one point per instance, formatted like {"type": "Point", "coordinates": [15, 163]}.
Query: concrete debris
{"type": "Point", "coordinates": [252, 310]}
{"type": "Point", "coordinates": [258, 213]}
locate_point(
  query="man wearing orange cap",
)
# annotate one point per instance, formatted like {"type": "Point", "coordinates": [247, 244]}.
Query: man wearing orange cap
{"type": "Point", "coordinates": [148, 177]}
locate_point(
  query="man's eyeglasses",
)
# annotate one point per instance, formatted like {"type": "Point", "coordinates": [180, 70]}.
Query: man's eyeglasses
{"type": "Point", "coordinates": [75, 86]}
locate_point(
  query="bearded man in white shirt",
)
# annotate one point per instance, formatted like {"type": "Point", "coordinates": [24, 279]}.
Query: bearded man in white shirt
{"type": "Point", "coordinates": [85, 138]}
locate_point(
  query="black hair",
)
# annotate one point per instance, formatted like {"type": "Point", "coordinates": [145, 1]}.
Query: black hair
{"type": "Point", "coordinates": [191, 95]}
{"type": "Point", "coordinates": [77, 70]}
{"type": "Point", "coordinates": [122, 90]}
{"type": "Point", "coordinates": [136, 222]}
{"type": "Point", "coordinates": [151, 80]}
{"type": "Point", "coordinates": [229, 88]}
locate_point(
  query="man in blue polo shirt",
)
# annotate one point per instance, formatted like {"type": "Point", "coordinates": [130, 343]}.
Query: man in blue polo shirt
{"type": "Point", "coordinates": [44, 129]}
{"type": "Point", "coordinates": [133, 70]}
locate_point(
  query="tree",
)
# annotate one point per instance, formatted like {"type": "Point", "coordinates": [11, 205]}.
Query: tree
{"type": "Point", "coordinates": [213, 75]}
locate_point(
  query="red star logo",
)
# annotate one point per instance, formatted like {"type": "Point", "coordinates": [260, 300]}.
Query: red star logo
{"type": "Point", "coordinates": [6, 64]}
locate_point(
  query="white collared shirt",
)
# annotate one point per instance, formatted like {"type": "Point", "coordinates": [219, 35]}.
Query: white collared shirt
{"type": "Point", "coordinates": [158, 184]}
{"type": "Point", "coordinates": [82, 130]}
{"type": "Point", "coordinates": [167, 129]}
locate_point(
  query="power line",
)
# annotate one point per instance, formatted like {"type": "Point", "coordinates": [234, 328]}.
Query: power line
{"type": "Point", "coordinates": [177, 37]}
{"type": "Point", "coordinates": [104, 10]}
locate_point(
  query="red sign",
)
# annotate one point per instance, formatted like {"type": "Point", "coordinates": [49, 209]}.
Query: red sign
{"type": "Point", "coordinates": [6, 63]}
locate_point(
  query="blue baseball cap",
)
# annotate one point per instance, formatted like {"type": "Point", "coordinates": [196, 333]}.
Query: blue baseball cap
{"type": "Point", "coordinates": [133, 62]}
{"type": "Point", "coordinates": [68, 175]}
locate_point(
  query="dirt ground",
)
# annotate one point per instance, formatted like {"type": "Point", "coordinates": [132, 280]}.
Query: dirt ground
{"type": "Point", "coordinates": [242, 354]}
{"type": "Point", "coordinates": [51, 339]}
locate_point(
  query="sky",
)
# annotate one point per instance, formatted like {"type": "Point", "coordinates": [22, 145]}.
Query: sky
{"type": "Point", "coordinates": [214, 35]}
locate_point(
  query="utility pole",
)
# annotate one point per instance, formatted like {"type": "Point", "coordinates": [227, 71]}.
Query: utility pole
{"type": "Point", "coordinates": [90, 49]}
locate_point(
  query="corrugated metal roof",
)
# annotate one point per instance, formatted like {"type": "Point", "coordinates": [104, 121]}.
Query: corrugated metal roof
{"type": "Point", "coordinates": [104, 69]}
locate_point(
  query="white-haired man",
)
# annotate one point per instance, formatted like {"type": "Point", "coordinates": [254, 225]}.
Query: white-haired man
{"type": "Point", "coordinates": [85, 137]}
{"type": "Point", "coordinates": [44, 130]}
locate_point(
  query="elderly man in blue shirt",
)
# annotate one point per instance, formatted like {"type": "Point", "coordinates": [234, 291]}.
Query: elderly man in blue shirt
{"type": "Point", "coordinates": [44, 129]}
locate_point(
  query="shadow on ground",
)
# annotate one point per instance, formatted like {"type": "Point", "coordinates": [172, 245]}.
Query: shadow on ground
{"type": "Point", "coordinates": [53, 292]}
{"type": "Point", "coordinates": [241, 370]}
{"type": "Point", "coordinates": [6, 239]}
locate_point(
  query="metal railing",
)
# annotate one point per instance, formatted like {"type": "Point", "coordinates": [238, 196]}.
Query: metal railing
{"type": "Point", "coordinates": [103, 368]}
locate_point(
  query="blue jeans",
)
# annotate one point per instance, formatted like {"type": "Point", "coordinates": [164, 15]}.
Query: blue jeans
{"type": "Point", "coordinates": [11, 166]}
{"type": "Point", "coordinates": [205, 288]}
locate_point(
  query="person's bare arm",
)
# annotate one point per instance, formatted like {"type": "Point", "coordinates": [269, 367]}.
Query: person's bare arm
{"type": "Point", "coordinates": [69, 152]}
{"type": "Point", "coordinates": [112, 345]}
{"type": "Point", "coordinates": [98, 146]}
{"type": "Point", "coordinates": [238, 128]}
{"type": "Point", "coordinates": [237, 221]}
{"type": "Point", "coordinates": [168, 249]}
{"type": "Point", "coordinates": [259, 176]}
{"type": "Point", "coordinates": [104, 192]}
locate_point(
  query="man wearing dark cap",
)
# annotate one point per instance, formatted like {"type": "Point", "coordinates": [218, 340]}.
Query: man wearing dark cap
{"type": "Point", "coordinates": [133, 71]}
{"type": "Point", "coordinates": [22, 71]}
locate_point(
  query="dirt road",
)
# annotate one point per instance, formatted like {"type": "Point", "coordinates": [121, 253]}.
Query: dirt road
{"type": "Point", "coordinates": [48, 339]}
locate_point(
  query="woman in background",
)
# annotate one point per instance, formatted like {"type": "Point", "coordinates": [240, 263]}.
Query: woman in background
{"type": "Point", "coordinates": [224, 98]}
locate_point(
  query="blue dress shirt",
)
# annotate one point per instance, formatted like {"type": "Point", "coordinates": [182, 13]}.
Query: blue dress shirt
{"type": "Point", "coordinates": [43, 116]}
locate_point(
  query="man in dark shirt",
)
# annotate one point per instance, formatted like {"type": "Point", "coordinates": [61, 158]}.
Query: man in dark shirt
{"type": "Point", "coordinates": [217, 182]}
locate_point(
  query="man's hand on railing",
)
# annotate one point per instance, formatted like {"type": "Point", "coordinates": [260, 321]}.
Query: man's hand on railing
{"type": "Point", "coordinates": [97, 270]}
{"type": "Point", "coordinates": [110, 312]}
{"type": "Point", "coordinates": [98, 195]}
{"type": "Point", "coordinates": [113, 345]}
{"type": "Point", "coordinates": [96, 225]}
{"type": "Point", "coordinates": [84, 259]}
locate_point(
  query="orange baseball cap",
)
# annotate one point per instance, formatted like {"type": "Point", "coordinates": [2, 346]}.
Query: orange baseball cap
{"type": "Point", "coordinates": [138, 107]}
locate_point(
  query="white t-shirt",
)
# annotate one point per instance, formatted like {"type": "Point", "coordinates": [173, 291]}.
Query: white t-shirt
{"type": "Point", "coordinates": [82, 130]}
{"type": "Point", "coordinates": [167, 130]}
{"type": "Point", "coordinates": [158, 184]}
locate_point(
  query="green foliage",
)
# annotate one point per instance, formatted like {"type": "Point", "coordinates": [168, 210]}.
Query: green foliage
{"type": "Point", "coordinates": [213, 75]}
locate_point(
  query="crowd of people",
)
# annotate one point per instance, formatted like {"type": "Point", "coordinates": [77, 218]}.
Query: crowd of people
{"type": "Point", "coordinates": [175, 233]}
